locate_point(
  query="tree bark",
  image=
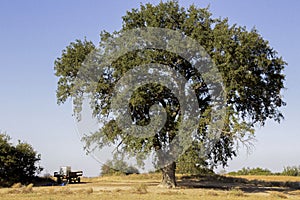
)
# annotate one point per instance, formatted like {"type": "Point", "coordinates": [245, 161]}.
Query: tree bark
{"type": "Point", "coordinates": [168, 180]}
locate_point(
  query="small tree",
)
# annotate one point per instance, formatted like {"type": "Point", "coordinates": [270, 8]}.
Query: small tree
{"type": "Point", "coordinates": [18, 163]}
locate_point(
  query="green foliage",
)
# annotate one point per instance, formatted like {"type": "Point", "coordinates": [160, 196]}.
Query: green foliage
{"type": "Point", "coordinates": [66, 67]}
{"type": "Point", "coordinates": [291, 171]}
{"type": "Point", "coordinates": [252, 171]}
{"type": "Point", "coordinates": [287, 171]}
{"type": "Point", "coordinates": [192, 168]}
{"type": "Point", "coordinates": [251, 69]}
{"type": "Point", "coordinates": [18, 163]}
{"type": "Point", "coordinates": [192, 163]}
{"type": "Point", "coordinates": [117, 167]}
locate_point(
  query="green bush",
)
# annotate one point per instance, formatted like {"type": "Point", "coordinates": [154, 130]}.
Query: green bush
{"type": "Point", "coordinates": [291, 171]}
{"type": "Point", "coordinates": [252, 171]}
{"type": "Point", "coordinates": [117, 167]}
{"type": "Point", "coordinates": [18, 163]}
{"type": "Point", "coordinates": [287, 171]}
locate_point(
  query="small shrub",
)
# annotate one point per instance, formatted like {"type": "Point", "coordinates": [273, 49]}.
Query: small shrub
{"type": "Point", "coordinates": [89, 190]}
{"type": "Point", "coordinates": [16, 185]}
{"type": "Point", "coordinates": [28, 188]}
{"type": "Point", "coordinates": [237, 192]}
{"type": "Point", "coordinates": [140, 188]}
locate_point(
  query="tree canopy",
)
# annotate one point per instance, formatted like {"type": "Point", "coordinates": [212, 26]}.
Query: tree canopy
{"type": "Point", "coordinates": [18, 163]}
{"type": "Point", "coordinates": [251, 71]}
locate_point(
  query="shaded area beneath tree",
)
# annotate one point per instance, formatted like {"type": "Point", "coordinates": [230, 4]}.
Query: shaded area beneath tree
{"type": "Point", "coordinates": [228, 183]}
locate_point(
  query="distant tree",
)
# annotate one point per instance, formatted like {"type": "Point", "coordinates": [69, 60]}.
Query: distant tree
{"type": "Point", "coordinates": [291, 171]}
{"type": "Point", "coordinates": [116, 167]}
{"type": "Point", "coordinates": [107, 169]}
{"type": "Point", "coordinates": [252, 171]}
{"type": "Point", "coordinates": [18, 163]}
{"type": "Point", "coordinates": [251, 70]}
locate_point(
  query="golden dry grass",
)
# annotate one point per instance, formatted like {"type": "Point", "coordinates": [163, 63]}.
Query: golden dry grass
{"type": "Point", "coordinates": [137, 187]}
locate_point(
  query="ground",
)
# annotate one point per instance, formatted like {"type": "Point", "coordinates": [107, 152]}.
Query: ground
{"type": "Point", "coordinates": [144, 186]}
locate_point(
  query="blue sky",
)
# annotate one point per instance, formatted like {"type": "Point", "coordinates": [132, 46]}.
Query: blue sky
{"type": "Point", "coordinates": [33, 34]}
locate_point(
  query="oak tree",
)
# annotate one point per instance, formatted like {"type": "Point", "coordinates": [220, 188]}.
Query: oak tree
{"type": "Point", "coordinates": [251, 70]}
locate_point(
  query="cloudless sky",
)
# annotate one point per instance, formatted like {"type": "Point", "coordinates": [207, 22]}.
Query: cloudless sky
{"type": "Point", "coordinates": [33, 34]}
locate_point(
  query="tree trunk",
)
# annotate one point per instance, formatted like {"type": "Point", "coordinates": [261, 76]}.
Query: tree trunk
{"type": "Point", "coordinates": [168, 180]}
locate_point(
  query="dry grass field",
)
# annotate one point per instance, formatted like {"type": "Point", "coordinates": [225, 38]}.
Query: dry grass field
{"type": "Point", "coordinates": [144, 186]}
